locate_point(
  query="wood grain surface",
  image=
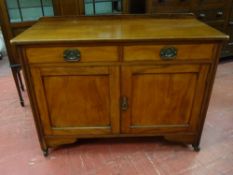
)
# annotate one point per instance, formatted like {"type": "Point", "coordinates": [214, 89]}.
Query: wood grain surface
{"type": "Point", "coordinates": [117, 28]}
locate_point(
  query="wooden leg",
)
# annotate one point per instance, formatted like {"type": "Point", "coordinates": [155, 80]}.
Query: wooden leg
{"type": "Point", "coordinates": [181, 138]}
{"type": "Point", "coordinates": [18, 87]}
{"type": "Point", "coordinates": [45, 152]}
{"type": "Point", "coordinates": [1, 55]}
{"type": "Point", "coordinates": [54, 142]}
{"type": "Point", "coordinates": [15, 69]}
{"type": "Point", "coordinates": [196, 147]}
{"type": "Point", "coordinates": [188, 139]}
{"type": "Point", "coordinates": [20, 80]}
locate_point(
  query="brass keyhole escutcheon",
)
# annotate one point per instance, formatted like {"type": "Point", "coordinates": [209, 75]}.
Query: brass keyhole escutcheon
{"type": "Point", "coordinates": [124, 103]}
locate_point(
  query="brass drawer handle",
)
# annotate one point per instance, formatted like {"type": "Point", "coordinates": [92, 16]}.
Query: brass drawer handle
{"type": "Point", "coordinates": [72, 55]}
{"type": "Point", "coordinates": [168, 53]}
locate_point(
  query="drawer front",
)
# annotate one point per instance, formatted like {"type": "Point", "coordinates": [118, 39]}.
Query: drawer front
{"type": "Point", "coordinates": [218, 25]}
{"type": "Point", "coordinates": [213, 2]}
{"type": "Point", "coordinates": [228, 48]}
{"type": "Point", "coordinates": [230, 32]}
{"type": "Point", "coordinates": [83, 54]}
{"type": "Point", "coordinates": [172, 3]}
{"type": "Point", "coordinates": [171, 6]}
{"type": "Point", "coordinates": [211, 14]}
{"type": "Point", "coordinates": [176, 52]}
{"type": "Point", "coordinates": [231, 16]}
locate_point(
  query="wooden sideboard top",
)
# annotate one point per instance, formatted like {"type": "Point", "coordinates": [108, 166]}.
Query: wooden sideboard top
{"type": "Point", "coordinates": [117, 28]}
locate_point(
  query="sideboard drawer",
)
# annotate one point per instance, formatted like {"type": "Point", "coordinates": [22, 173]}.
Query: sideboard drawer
{"type": "Point", "coordinates": [68, 54]}
{"type": "Point", "coordinates": [166, 6]}
{"type": "Point", "coordinates": [212, 2]}
{"type": "Point", "coordinates": [181, 52]}
{"type": "Point", "coordinates": [211, 14]}
{"type": "Point", "coordinates": [121, 85]}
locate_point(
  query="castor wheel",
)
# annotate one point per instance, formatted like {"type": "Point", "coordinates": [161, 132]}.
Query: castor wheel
{"type": "Point", "coordinates": [46, 152]}
{"type": "Point", "coordinates": [196, 148]}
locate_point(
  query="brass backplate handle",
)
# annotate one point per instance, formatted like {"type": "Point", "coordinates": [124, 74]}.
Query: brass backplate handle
{"type": "Point", "coordinates": [168, 53]}
{"type": "Point", "coordinates": [124, 103]}
{"type": "Point", "coordinates": [72, 55]}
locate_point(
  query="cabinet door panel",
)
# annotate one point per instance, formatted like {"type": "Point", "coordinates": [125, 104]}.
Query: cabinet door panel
{"type": "Point", "coordinates": [83, 104]}
{"type": "Point", "coordinates": [170, 99]}
{"type": "Point", "coordinates": [78, 100]}
{"type": "Point", "coordinates": [162, 98]}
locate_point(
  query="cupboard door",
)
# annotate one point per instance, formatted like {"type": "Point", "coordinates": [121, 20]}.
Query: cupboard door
{"type": "Point", "coordinates": [162, 98]}
{"type": "Point", "coordinates": [77, 100]}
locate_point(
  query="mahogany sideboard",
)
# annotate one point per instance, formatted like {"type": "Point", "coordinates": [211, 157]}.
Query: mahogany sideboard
{"type": "Point", "coordinates": [119, 76]}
